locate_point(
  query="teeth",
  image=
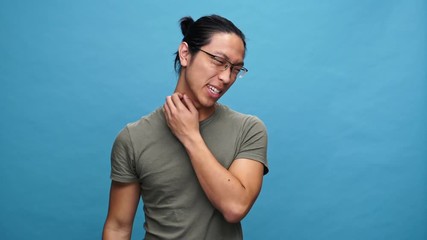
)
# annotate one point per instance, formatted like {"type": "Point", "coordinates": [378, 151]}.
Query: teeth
{"type": "Point", "coordinates": [213, 89]}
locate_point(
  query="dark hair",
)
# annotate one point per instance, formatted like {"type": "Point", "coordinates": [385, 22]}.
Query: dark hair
{"type": "Point", "coordinates": [199, 33]}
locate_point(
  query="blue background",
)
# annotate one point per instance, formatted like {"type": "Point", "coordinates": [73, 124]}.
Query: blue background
{"type": "Point", "coordinates": [341, 86]}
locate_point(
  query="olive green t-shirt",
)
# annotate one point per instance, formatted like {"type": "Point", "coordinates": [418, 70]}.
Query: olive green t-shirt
{"type": "Point", "coordinates": [175, 205]}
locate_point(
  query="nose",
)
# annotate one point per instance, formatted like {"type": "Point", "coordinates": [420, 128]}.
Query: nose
{"type": "Point", "coordinates": [225, 75]}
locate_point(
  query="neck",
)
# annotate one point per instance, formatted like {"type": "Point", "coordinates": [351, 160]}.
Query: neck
{"type": "Point", "coordinates": [204, 111]}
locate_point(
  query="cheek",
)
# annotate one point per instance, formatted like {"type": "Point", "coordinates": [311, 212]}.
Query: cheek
{"type": "Point", "coordinates": [202, 74]}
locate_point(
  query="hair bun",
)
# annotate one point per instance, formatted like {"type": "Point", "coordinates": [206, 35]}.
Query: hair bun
{"type": "Point", "coordinates": [186, 23]}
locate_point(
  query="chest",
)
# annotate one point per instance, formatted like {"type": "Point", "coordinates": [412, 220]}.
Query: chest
{"type": "Point", "coordinates": [163, 163]}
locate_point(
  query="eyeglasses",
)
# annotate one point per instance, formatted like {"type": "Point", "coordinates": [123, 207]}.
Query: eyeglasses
{"type": "Point", "coordinates": [223, 64]}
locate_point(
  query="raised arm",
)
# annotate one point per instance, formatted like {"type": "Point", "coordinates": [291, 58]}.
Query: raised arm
{"type": "Point", "coordinates": [124, 199]}
{"type": "Point", "coordinates": [232, 191]}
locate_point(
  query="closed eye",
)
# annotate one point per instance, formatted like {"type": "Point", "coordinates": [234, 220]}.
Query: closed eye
{"type": "Point", "coordinates": [237, 69]}
{"type": "Point", "coordinates": [219, 61]}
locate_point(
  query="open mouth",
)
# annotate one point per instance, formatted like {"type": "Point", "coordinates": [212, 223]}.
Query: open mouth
{"type": "Point", "coordinates": [214, 90]}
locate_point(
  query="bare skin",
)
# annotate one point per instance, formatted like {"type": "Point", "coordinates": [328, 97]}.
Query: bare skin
{"type": "Point", "coordinates": [232, 191]}
{"type": "Point", "coordinates": [124, 199]}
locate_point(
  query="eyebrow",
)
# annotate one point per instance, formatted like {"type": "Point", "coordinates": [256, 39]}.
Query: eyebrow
{"type": "Point", "coordinates": [228, 59]}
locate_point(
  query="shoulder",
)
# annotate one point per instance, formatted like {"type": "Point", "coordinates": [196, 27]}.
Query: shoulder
{"type": "Point", "coordinates": [145, 126]}
{"type": "Point", "coordinates": [246, 120]}
{"type": "Point", "coordinates": [154, 118]}
{"type": "Point", "coordinates": [149, 129]}
{"type": "Point", "coordinates": [153, 121]}
{"type": "Point", "coordinates": [252, 136]}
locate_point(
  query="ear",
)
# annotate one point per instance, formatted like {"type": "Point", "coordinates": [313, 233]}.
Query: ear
{"type": "Point", "coordinates": [184, 54]}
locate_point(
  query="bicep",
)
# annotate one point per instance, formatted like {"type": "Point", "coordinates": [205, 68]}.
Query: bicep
{"type": "Point", "coordinates": [124, 199]}
{"type": "Point", "coordinates": [250, 174]}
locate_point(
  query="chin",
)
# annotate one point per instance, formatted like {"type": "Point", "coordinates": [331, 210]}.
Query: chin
{"type": "Point", "coordinates": [207, 104]}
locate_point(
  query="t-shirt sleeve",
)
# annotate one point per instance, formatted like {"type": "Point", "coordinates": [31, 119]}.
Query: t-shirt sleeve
{"type": "Point", "coordinates": [254, 142]}
{"type": "Point", "coordinates": [122, 159]}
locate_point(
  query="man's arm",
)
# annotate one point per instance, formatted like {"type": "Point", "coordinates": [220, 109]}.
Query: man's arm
{"type": "Point", "coordinates": [124, 199]}
{"type": "Point", "coordinates": [232, 191]}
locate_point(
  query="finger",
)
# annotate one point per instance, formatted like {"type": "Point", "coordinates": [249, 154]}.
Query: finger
{"type": "Point", "coordinates": [189, 103]}
{"type": "Point", "coordinates": [165, 108]}
{"type": "Point", "coordinates": [166, 111]}
{"type": "Point", "coordinates": [177, 101]}
{"type": "Point", "coordinates": [170, 104]}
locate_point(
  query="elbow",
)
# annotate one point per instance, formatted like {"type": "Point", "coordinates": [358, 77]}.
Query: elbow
{"type": "Point", "coordinates": [235, 214]}
{"type": "Point", "coordinates": [116, 230]}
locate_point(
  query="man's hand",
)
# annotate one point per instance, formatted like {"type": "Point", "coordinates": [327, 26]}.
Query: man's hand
{"type": "Point", "coordinates": [232, 191]}
{"type": "Point", "coordinates": [182, 116]}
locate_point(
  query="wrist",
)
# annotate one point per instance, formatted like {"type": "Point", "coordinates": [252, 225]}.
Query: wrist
{"type": "Point", "coordinates": [192, 141]}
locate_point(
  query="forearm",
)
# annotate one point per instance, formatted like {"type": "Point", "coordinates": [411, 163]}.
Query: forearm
{"type": "Point", "coordinates": [232, 191]}
{"type": "Point", "coordinates": [225, 191]}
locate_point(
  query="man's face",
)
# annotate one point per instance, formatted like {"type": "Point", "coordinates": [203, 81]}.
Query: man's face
{"type": "Point", "coordinates": [205, 82]}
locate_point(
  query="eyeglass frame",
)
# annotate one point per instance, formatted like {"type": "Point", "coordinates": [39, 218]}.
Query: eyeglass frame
{"type": "Point", "coordinates": [242, 72]}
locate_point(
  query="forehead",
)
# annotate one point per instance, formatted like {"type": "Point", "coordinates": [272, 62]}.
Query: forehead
{"type": "Point", "coordinates": [228, 45]}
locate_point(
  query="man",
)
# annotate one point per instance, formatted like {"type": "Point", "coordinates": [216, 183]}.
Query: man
{"type": "Point", "coordinates": [197, 164]}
